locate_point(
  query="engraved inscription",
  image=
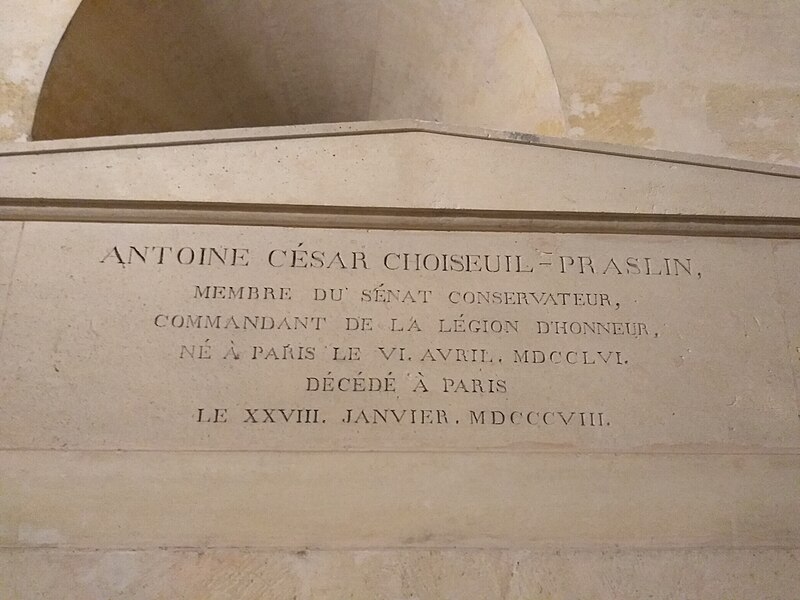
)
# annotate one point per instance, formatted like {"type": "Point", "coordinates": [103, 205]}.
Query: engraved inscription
{"type": "Point", "coordinates": [464, 369]}
{"type": "Point", "coordinates": [277, 338]}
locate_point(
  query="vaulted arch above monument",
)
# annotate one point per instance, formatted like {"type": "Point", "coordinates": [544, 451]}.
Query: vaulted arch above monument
{"type": "Point", "coordinates": [144, 67]}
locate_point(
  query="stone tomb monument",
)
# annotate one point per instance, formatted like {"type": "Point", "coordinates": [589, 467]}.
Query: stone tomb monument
{"type": "Point", "coordinates": [383, 345]}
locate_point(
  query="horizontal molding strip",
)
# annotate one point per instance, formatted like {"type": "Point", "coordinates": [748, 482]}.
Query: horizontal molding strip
{"type": "Point", "coordinates": [678, 451]}
{"type": "Point", "coordinates": [407, 219]}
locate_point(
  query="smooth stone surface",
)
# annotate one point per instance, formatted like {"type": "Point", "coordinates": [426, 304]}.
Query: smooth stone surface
{"type": "Point", "coordinates": [709, 574]}
{"type": "Point", "coordinates": [713, 519]}
{"type": "Point", "coordinates": [356, 500]}
{"type": "Point", "coordinates": [282, 63]}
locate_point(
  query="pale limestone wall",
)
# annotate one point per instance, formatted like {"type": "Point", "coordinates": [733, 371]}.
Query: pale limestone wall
{"type": "Point", "coordinates": [718, 78]}
{"type": "Point", "coordinates": [704, 521]}
{"type": "Point", "coordinates": [136, 67]}
{"type": "Point", "coordinates": [688, 75]}
{"type": "Point", "coordinates": [27, 43]}
{"type": "Point", "coordinates": [694, 76]}
{"type": "Point", "coordinates": [401, 574]}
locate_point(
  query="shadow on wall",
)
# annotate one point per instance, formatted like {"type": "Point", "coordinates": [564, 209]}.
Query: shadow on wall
{"type": "Point", "coordinates": [146, 66]}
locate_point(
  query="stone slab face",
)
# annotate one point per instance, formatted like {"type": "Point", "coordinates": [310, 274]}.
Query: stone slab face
{"type": "Point", "coordinates": [330, 398]}
{"type": "Point", "coordinates": [202, 337]}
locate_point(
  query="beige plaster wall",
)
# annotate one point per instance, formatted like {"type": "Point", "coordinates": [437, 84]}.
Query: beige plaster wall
{"type": "Point", "coordinates": [718, 78]}
{"type": "Point", "coordinates": [688, 75]}
{"type": "Point", "coordinates": [136, 66]}
{"type": "Point", "coordinates": [27, 43]}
